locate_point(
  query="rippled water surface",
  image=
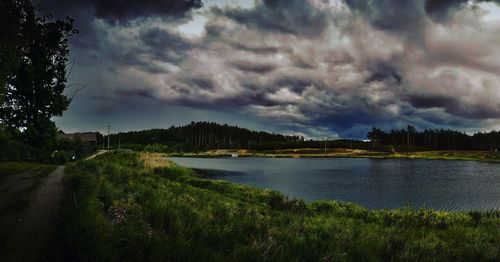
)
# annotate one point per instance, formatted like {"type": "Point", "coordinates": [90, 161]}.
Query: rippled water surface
{"type": "Point", "coordinates": [373, 183]}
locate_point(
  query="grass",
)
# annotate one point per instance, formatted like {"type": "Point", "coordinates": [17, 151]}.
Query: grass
{"type": "Point", "coordinates": [41, 170]}
{"type": "Point", "coordinates": [16, 167]}
{"type": "Point", "coordinates": [487, 156]}
{"type": "Point", "coordinates": [119, 208]}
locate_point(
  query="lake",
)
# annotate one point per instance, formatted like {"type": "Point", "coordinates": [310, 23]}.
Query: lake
{"type": "Point", "coordinates": [373, 183]}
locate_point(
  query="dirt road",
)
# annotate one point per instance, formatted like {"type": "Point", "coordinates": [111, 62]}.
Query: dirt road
{"type": "Point", "coordinates": [28, 215]}
{"type": "Point", "coordinates": [97, 154]}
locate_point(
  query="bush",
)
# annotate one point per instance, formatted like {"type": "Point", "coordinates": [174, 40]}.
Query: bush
{"type": "Point", "coordinates": [61, 157]}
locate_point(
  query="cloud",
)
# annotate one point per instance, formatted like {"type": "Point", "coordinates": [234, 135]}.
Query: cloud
{"type": "Point", "coordinates": [440, 10]}
{"type": "Point", "coordinates": [248, 66]}
{"type": "Point", "coordinates": [402, 17]}
{"type": "Point", "coordinates": [123, 10]}
{"type": "Point", "coordinates": [308, 66]}
{"type": "Point", "coordinates": [296, 17]}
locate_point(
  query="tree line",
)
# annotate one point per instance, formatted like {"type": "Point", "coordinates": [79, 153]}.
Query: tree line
{"type": "Point", "coordinates": [410, 139]}
{"type": "Point", "coordinates": [202, 136]}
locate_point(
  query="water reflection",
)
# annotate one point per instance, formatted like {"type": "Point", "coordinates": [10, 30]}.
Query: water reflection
{"type": "Point", "coordinates": [374, 183]}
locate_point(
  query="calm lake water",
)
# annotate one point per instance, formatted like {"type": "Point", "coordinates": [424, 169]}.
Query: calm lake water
{"type": "Point", "coordinates": [373, 183]}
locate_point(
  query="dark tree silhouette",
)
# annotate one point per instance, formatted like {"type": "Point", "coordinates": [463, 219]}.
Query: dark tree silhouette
{"type": "Point", "coordinates": [435, 139]}
{"type": "Point", "coordinates": [203, 136]}
{"type": "Point", "coordinates": [35, 51]}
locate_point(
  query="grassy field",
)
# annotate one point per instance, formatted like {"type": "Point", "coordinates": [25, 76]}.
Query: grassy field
{"type": "Point", "coordinates": [131, 207]}
{"type": "Point", "coordinates": [489, 156]}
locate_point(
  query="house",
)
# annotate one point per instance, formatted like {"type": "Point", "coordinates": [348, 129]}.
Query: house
{"type": "Point", "coordinates": [87, 137]}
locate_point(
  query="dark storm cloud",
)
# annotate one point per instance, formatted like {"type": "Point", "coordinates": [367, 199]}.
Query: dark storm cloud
{"type": "Point", "coordinates": [454, 106]}
{"type": "Point", "coordinates": [123, 10]}
{"type": "Point", "coordinates": [84, 12]}
{"type": "Point", "coordinates": [256, 49]}
{"type": "Point", "coordinates": [383, 71]}
{"type": "Point", "coordinates": [129, 9]}
{"type": "Point", "coordinates": [393, 15]}
{"type": "Point", "coordinates": [440, 10]}
{"type": "Point", "coordinates": [166, 45]}
{"type": "Point", "coordinates": [259, 68]}
{"type": "Point", "coordinates": [201, 82]}
{"type": "Point", "coordinates": [310, 65]}
{"type": "Point", "coordinates": [297, 17]}
{"type": "Point", "coordinates": [400, 16]}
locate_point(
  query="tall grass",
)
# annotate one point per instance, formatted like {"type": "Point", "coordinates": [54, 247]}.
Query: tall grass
{"type": "Point", "coordinates": [119, 209]}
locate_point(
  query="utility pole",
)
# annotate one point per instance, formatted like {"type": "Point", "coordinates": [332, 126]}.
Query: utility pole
{"type": "Point", "coordinates": [109, 127]}
{"type": "Point", "coordinates": [119, 141]}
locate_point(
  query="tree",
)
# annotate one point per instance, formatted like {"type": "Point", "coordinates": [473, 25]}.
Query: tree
{"type": "Point", "coordinates": [376, 135]}
{"type": "Point", "coordinates": [411, 136]}
{"type": "Point", "coordinates": [34, 78]}
{"type": "Point", "coordinates": [10, 26]}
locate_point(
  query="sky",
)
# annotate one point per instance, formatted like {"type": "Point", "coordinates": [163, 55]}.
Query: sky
{"type": "Point", "coordinates": [318, 68]}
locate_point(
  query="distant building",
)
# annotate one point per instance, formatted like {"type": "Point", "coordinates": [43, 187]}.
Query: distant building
{"type": "Point", "coordinates": [87, 137]}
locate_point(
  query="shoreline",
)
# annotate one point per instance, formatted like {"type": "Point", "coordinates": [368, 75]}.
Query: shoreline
{"type": "Point", "coordinates": [482, 156]}
{"type": "Point", "coordinates": [154, 203]}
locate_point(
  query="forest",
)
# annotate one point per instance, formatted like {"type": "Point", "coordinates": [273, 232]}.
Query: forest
{"type": "Point", "coordinates": [200, 136]}
{"type": "Point", "coordinates": [410, 139]}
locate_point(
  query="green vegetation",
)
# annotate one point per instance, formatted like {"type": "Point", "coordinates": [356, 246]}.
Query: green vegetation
{"type": "Point", "coordinates": [34, 54]}
{"type": "Point", "coordinates": [18, 167]}
{"type": "Point", "coordinates": [200, 136]}
{"type": "Point", "coordinates": [125, 207]}
{"type": "Point", "coordinates": [487, 156]}
{"type": "Point", "coordinates": [410, 139]}
{"type": "Point", "coordinates": [206, 136]}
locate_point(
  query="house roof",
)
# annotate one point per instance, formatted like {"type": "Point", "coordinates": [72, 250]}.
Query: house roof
{"type": "Point", "coordinates": [85, 137]}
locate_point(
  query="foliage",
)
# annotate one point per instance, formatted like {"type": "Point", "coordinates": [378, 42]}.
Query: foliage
{"type": "Point", "coordinates": [16, 167]}
{"type": "Point", "coordinates": [12, 150]}
{"type": "Point", "coordinates": [33, 73]}
{"type": "Point", "coordinates": [115, 210]}
{"type": "Point", "coordinates": [204, 136]}
{"type": "Point", "coordinates": [157, 148]}
{"type": "Point", "coordinates": [74, 147]}
{"type": "Point", "coordinates": [410, 139]}
{"type": "Point", "coordinates": [201, 136]}
{"type": "Point", "coordinates": [61, 157]}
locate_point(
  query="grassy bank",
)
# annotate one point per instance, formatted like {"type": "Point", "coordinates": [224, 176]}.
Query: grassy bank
{"type": "Point", "coordinates": [488, 156]}
{"type": "Point", "coordinates": [128, 207]}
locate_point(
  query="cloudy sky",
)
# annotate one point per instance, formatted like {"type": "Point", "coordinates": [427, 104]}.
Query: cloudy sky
{"type": "Point", "coordinates": [322, 68]}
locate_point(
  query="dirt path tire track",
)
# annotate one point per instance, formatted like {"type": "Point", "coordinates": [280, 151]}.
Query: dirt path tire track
{"type": "Point", "coordinates": [30, 231]}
